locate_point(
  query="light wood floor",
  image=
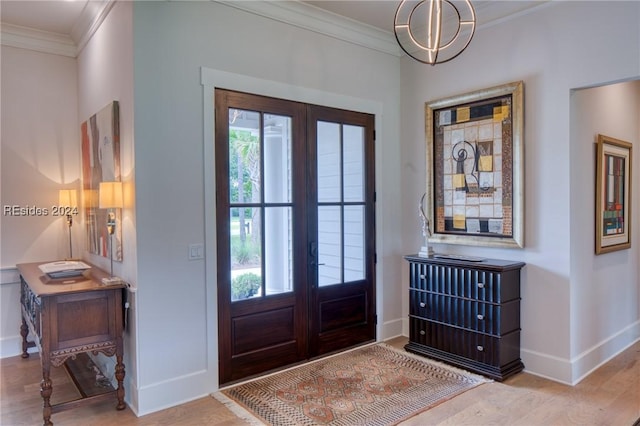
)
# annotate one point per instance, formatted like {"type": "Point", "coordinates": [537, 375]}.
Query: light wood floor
{"type": "Point", "coordinates": [609, 396]}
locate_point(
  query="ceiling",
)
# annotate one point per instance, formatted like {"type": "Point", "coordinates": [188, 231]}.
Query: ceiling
{"type": "Point", "coordinates": [61, 16]}
{"type": "Point", "coordinates": [381, 13]}
{"type": "Point", "coordinates": [52, 16]}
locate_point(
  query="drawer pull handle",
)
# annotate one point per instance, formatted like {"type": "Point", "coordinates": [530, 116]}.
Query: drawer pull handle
{"type": "Point", "coordinates": [422, 332]}
{"type": "Point", "coordinates": [422, 304]}
{"type": "Point", "coordinates": [479, 348]}
{"type": "Point", "coordinates": [422, 277]}
{"type": "Point", "coordinates": [480, 285]}
{"type": "Point", "coordinates": [480, 316]}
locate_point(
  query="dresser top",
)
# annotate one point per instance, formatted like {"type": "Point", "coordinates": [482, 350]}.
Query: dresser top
{"type": "Point", "coordinates": [41, 285]}
{"type": "Point", "coordinates": [485, 263]}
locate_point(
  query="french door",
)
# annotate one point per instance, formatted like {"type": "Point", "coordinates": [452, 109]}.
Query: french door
{"type": "Point", "coordinates": [295, 231]}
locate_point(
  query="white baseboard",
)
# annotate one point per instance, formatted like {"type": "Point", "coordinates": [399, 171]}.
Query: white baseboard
{"type": "Point", "coordinates": [169, 393]}
{"type": "Point", "coordinates": [548, 366]}
{"type": "Point", "coordinates": [12, 346]}
{"type": "Point", "coordinates": [572, 371]}
{"type": "Point", "coordinates": [391, 329]}
{"type": "Point", "coordinates": [589, 360]}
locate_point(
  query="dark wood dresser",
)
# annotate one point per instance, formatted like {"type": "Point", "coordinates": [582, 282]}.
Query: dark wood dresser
{"type": "Point", "coordinates": [68, 317]}
{"type": "Point", "coordinates": [466, 313]}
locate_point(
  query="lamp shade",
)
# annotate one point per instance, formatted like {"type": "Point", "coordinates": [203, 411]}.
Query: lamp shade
{"type": "Point", "coordinates": [90, 198]}
{"type": "Point", "coordinates": [68, 198]}
{"type": "Point", "coordinates": [110, 195]}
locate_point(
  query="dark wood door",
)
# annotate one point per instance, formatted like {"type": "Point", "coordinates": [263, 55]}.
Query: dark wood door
{"type": "Point", "coordinates": [276, 305]}
{"type": "Point", "coordinates": [341, 211]}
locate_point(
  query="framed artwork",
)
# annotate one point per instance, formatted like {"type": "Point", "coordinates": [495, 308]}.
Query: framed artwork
{"type": "Point", "coordinates": [613, 194]}
{"type": "Point", "coordinates": [101, 163]}
{"type": "Point", "coordinates": [475, 159]}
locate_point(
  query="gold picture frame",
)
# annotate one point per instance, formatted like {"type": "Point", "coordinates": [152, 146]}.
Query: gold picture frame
{"type": "Point", "coordinates": [475, 162]}
{"type": "Point", "coordinates": [613, 194]}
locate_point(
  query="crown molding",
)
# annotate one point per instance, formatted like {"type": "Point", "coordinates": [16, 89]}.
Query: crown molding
{"type": "Point", "coordinates": [294, 13]}
{"type": "Point", "coordinates": [92, 16]}
{"type": "Point", "coordinates": [318, 20]}
{"type": "Point", "coordinates": [496, 13]}
{"type": "Point", "coordinates": [40, 41]}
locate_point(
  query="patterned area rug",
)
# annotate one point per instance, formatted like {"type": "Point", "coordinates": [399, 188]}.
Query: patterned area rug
{"type": "Point", "coordinates": [372, 385]}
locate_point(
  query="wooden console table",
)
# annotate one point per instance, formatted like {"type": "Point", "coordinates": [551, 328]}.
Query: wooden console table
{"type": "Point", "coordinates": [68, 317]}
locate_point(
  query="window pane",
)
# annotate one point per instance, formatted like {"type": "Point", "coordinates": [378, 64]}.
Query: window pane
{"type": "Point", "coordinates": [278, 250]}
{"type": "Point", "coordinates": [244, 156]}
{"type": "Point", "coordinates": [328, 161]}
{"type": "Point", "coordinates": [353, 154]}
{"type": "Point", "coordinates": [246, 253]}
{"type": "Point", "coordinates": [277, 159]}
{"type": "Point", "coordinates": [354, 243]}
{"type": "Point", "coordinates": [329, 245]}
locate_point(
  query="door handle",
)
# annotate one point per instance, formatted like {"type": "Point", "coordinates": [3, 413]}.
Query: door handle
{"type": "Point", "coordinates": [313, 253]}
{"type": "Point", "coordinates": [313, 263]}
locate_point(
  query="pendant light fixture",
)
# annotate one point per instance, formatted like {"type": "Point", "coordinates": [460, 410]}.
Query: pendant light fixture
{"type": "Point", "coordinates": [434, 31]}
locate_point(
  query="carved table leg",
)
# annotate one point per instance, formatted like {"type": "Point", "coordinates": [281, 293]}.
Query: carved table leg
{"type": "Point", "coordinates": [119, 373]}
{"type": "Point", "coordinates": [46, 389]}
{"type": "Point", "coordinates": [24, 332]}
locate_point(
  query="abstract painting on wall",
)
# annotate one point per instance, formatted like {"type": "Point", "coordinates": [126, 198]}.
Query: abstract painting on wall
{"type": "Point", "coordinates": [613, 194]}
{"type": "Point", "coordinates": [474, 163]}
{"type": "Point", "coordinates": [101, 163]}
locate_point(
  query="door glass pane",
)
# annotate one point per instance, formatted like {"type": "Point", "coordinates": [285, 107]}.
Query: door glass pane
{"type": "Point", "coordinates": [329, 161]}
{"type": "Point", "coordinates": [353, 243]}
{"type": "Point", "coordinates": [329, 245]}
{"type": "Point", "coordinates": [244, 156]}
{"type": "Point", "coordinates": [277, 159]}
{"type": "Point", "coordinates": [246, 253]}
{"type": "Point", "coordinates": [353, 154]}
{"type": "Point", "coordinates": [278, 250]}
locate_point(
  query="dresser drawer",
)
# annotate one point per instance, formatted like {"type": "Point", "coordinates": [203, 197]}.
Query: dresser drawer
{"type": "Point", "coordinates": [473, 283]}
{"type": "Point", "coordinates": [465, 313]}
{"type": "Point", "coordinates": [482, 348]}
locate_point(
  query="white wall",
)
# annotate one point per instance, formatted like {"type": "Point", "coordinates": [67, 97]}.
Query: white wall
{"type": "Point", "coordinates": [605, 291]}
{"type": "Point", "coordinates": [171, 349]}
{"type": "Point", "coordinates": [172, 41]}
{"type": "Point", "coordinates": [40, 155]}
{"type": "Point", "coordinates": [553, 49]}
{"type": "Point", "coordinates": [105, 74]}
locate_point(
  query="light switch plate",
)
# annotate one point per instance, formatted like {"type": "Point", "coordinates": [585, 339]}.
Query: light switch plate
{"type": "Point", "coordinates": [196, 251]}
